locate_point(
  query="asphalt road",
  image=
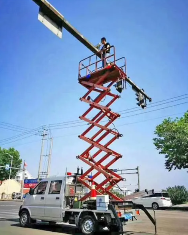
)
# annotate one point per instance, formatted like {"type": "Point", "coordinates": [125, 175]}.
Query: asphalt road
{"type": "Point", "coordinates": [168, 223]}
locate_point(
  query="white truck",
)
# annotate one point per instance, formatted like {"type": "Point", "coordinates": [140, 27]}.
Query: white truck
{"type": "Point", "coordinates": [47, 202]}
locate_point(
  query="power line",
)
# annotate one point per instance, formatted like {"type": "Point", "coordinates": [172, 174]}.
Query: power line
{"type": "Point", "coordinates": [22, 134]}
{"type": "Point", "coordinates": [16, 140]}
{"type": "Point", "coordinates": [57, 126]}
{"type": "Point", "coordinates": [12, 125]}
{"type": "Point", "coordinates": [157, 102]}
{"type": "Point", "coordinates": [65, 127]}
{"type": "Point", "coordinates": [166, 116]}
{"type": "Point", "coordinates": [155, 110]}
{"type": "Point", "coordinates": [8, 126]}
{"type": "Point", "coordinates": [10, 129]}
{"type": "Point", "coordinates": [152, 106]}
{"type": "Point", "coordinates": [124, 124]}
{"type": "Point", "coordinates": [123, 111]}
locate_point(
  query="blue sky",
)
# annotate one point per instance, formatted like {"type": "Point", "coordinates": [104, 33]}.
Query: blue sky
{"type": "Point", "coordinates": [38, 74]}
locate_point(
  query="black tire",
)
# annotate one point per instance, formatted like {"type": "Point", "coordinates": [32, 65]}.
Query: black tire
{"type": "Point", "coordinates": [33, 221]}
{"type": "Point", "coordinates": [52, 223]}
{"type": "Point", "coordinates": [155, 206]}
{"type": "Point", "coordinates": [25, 220]}
{"type": "Point", "coordinates": [88, 225]}
{"type": "Point", "coordinates": [114, 228]}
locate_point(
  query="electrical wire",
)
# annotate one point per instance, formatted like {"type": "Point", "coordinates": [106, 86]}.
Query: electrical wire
{"type": "Point", "coordinates": [15, 140]}
{"type": "Point", "coordinates": [156, 110]}
{"type": "Point", "coordinates": [124, 124]}
{"type": "Point", "coordinates": [34, 131]}
{"type": "Point", "coordinates": [8, 126]}
{"type": "Point", "coordinates": [12, 125]}
{"type": "Point", "coordinates": [152, 106]}
{"type": "Point", "coordinates": [67, 124]}
{"type": "Point", "coordinates": [65, 127]}
{"type": "Point", "coordinates": [123, 111]}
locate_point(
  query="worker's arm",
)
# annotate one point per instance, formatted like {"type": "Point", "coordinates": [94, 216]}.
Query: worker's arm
{"type": "Point", "coordinates": [107, 46]}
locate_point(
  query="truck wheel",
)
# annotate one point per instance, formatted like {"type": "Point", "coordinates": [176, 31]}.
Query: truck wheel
{"type": "Point", "coordinates": [155, 206]}
{"type": "Point", "coordinates": [88, 225]}
{"type": "Point", "coordinates": [25, 220]}
{"type": "Point", "coordinates": [33, 221]}
{"type": "Point", "coordinates": [114, 228]}
{"type": "Point", "coordinates": [52, 223]}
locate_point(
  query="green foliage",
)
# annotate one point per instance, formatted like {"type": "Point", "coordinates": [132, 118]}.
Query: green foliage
{"type": "Point", "coordinates": [172, 141]}
{"type": "Point", "coordinates": [178, 194]}
{"type": "Point", "coordinates": [6, 159]}
{"type": "Point", "coordinates": [118, 194]}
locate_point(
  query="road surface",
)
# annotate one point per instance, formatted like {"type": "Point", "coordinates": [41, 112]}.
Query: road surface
{"type": "Point", "coordinates": [168, 223]}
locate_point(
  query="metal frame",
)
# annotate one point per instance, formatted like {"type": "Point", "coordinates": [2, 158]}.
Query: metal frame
{"type": "Point", "coordinates": [112, 178]}
{"type": "Point", "coordinates": [98, 60]}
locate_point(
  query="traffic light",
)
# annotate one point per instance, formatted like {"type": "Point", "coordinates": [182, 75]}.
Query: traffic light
{"type": "Point", "coordinates": [138, 98]}
{"type": "Point", "coordinates": [119, 86]}
{"type": "Point", "coordinates": [141, 99]}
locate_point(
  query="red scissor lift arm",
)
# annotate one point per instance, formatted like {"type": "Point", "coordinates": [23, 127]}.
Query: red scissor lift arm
{"type": "Point", "coordinates": [100, 80]}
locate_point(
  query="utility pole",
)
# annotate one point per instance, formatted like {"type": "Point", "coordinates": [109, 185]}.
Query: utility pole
{"type": "Point", "coordinates": [45, 154]}
{"type": "Point", "coordinates": [138, 172]}
{"type": "Point", "coordinates": [10, 167]}
{"type": "Point", "coordinates": [44, 134]}
{"type": "Point", "coordinates": [23, 179]}
{"type": "Point", "coordinates": [41, 153]}
{"type": "Point", "coordinates": [49, 157]}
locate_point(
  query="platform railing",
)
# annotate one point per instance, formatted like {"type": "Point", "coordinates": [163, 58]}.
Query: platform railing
{"type": "Point", "coordinates": [88, 68]}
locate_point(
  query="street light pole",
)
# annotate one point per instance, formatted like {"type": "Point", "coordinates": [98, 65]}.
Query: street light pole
{"type": "Point", "coordinates": [10, 169]}
{"type": "Point", "coordinates": [138, 172]}
{"type": "Point", "coordinates": [10, 166]}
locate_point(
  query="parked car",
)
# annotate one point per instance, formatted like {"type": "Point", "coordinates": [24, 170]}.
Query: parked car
{"type": "Point", "coordinates": [155, 201]}
{"type": "Point", "coordinates": [16, 195]}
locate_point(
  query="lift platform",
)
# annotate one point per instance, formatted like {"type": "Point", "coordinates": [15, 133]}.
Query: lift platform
{"type": "Point", "coordinates": [99, 81]}
{"type": "Point", "coordinates": [94, 73]}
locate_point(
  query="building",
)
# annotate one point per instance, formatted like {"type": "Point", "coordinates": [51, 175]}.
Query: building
{"type": "Point", "coordinates": [8, 187]}
{"type": "Point", "coordinates": [19, 176]}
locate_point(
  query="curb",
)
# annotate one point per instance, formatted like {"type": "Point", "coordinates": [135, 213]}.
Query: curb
{"type": "Point", "coordinates": [10, 200]}
{"type": "Point", "coordinates": [185, 208]}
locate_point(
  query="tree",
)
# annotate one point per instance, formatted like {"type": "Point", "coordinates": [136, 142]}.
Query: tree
{"type": "Point", "coordinates": [5, 158]}
{"type": "Point", "coordinates": [178, 194]}
{"type": "Point", "coordinates": [172, 141]}
{"type": "Point", "coordinates": [118, 194]}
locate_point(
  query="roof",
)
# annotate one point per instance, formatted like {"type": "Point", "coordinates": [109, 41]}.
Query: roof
{"type": "Point", "coordinates": [54, 178]}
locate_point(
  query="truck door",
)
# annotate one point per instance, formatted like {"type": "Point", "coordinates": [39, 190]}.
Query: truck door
{"type": "Point", "coordinates": [54, 200]}
{"type": "Point", "coordinates": [36, 202]}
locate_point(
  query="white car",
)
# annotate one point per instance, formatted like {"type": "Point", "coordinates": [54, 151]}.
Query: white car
{"type": "Point", "coordinates": [155, 201]}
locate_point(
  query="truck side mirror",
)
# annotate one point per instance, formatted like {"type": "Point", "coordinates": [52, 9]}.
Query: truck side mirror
{"type": "Point", "coordinates": [31, 191]}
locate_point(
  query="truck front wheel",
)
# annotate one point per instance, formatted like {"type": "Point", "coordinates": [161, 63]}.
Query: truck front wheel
{"type": "Point", "coordinates": [88, 225]}
{"type": "Point", "coordinates": [25, 220]}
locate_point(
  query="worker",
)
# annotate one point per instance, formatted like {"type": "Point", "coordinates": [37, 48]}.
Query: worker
{"type": "Point", "coordinates": [105, 51]}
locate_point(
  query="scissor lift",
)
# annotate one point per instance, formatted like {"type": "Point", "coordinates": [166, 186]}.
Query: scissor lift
{"type": "Point", "coordinates": [99, 82]}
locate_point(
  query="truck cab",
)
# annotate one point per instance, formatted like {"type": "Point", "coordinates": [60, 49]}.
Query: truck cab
{"type": "Point", "coordinates": [46, 201]}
